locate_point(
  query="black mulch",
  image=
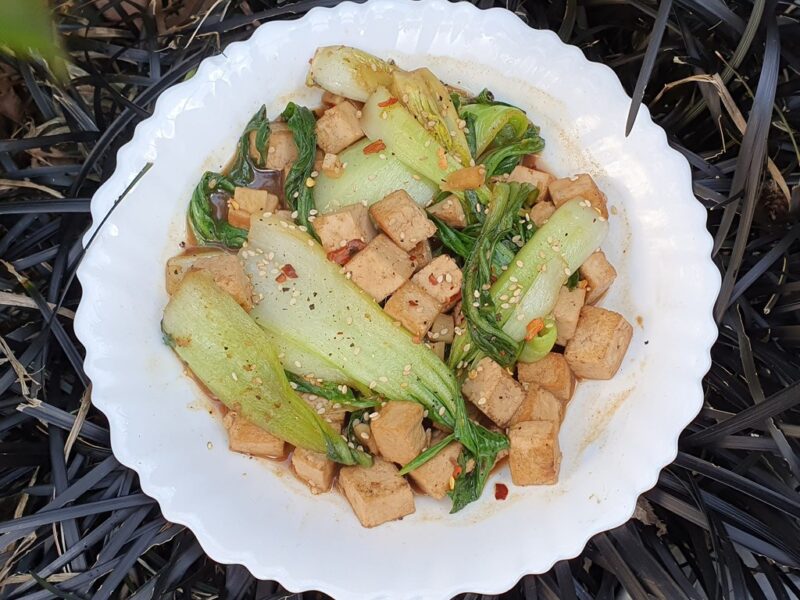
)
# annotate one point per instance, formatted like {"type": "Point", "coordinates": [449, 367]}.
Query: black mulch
{"type": "Point", "coordinates": [723, 522]}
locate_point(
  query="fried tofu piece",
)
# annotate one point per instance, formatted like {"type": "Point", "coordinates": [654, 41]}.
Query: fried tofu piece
{"type": "Point", "coordinates": [421, 255]}
{"type": "Point", "coordinates": [247, 202]}
{"type": "Point", "coordinates": [552, 373]}
{"type": "Point", "coordinates": [364, 435]}
{"type": "Point", "coordinates": [331, 165]}
{"type": "Point", "coordinates": [402, 219]}
{"type": "Point", "coordinates": [494, 391]}
{"type": "Point", "coordinates": [538, 179]}
{"type": "Point", "coordinates": [377, 494]}
{"type": "Point", "coordinates": [599, 275]}
{"type": "Point", "coordinates": [226, 270]}
{"type": "Point", "coordinates": [578, 186]}
{"type": "Point", "coordinates": [450, 212]}
{"type": "Point", "coordinates": [338, 128]}
{"type": "Point", "coordinates": [438, 349]}
{"type": "Point", "coordinates": [398, 431]}
{"type": "Point", "coordinates": [331, 98]}
{"type": "Point", "coordinates": [413, 307]}
{"type": "Point", "coordinates": [281, 149]}
{"type": "Point", "coordinates": [566, 312]}
{"type": "Point", "coordinates": [599, 344]}
{"type": "Point", "coordinates": [247, 438]}
{"type": "Point", "coordinates": [433, 478]}
{"type": "Point", "coordinates": [541, 212]}
{"type": "Point", "coordinates": [441, 279]}
{"type": "Point", "coordinates": [539, 405]}
{"type": "Point", "coordinates": [380, 268]}
{"type": "Point", "coordinates": [339, 227]}
{"type": "Point", "coordinates": [443, 329]}
{"type": "Point", "coordinates": [314, 469]}
{"type": "Point", "coordinates": [534, 456]}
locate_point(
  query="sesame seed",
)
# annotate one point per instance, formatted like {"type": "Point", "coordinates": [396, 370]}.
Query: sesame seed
{"type": "Point", "coordinates": [467, 347]}
{"type": "Point", "coordinates": [364, 435]}
{"type": "Point", "coordinates": [383, 379]}
{"type": "Point", "coordinates": [566, 272]}
{"type": "Point", "coordinates": [481, 401]}
{"type": "Point", "coordinates": [234, 377]}
{"type": "Point", "coordinates": [374, 415]}
{"type": "Point", "coordinates": [441, 411]}
{"type": "Point", "coordinates": [373, 385]}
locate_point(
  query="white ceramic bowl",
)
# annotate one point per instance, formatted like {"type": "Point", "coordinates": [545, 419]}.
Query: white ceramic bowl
{"type": "Point", "coordinates": [617, 434]}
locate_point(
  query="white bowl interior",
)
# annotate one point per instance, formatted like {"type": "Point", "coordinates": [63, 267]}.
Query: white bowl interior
{"type": "Point", "coordinates": [617, 434]}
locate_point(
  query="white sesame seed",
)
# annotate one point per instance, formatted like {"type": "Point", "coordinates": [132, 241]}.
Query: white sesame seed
{"type": "Point", "coordinates": [234, 377]}
{"type": "Point", "coordinates": [441, 411]}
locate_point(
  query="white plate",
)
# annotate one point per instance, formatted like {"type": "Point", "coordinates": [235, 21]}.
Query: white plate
{"type": "Point", "coordinates": [617, 434]}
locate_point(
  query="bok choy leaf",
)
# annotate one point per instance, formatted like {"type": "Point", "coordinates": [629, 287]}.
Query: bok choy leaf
{"type": "Point", "coordinates": [368, 178]}
{"type": "Point", "coordinates": [251, 153]}
{"type": "Point", "coordinates": [321, 309]}
{"type": "Point", "coordinates": [233, 358]}
{"type": "Point", "coordinates": [298, 195]}
{"type": "Point", "coordinates": [494, 125]}
{"type": "Point", "coordinates": [349, 72]}
{"type": "Point", "coordinates": [405, 138]}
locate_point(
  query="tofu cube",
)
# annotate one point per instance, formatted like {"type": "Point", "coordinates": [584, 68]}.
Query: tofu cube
{"type": "Point", "coordinates": [331, 165]}
{"type": "Point", "coordinates": [364, 434]}
{"type": "Point", "coordinates": [398, 431]}
{"type": "Point", "coordinates": [441, 279]}
{"type": "Point", "coordinates": [534, 456]}
{"type": "Point", "coordinates": [380, 268]}
{"type": "Point", "coordinates": [599, 275]}
{"type": "Point", "coordinates": [338, 128]}
{"type": "Point", "coordinates": [493, 391]}
{"type": "Point", "coordinates": [541, 212]}
{"type": "Point", "coordinates": [247, 438]}
{"type": "Point", "coordinates": [438, 349]}
{"type": "Point", "coordinates": [225, 268]}
{"type": "Point", "coordinates": [450, 212]}
{"type": "Point", "coordinates": [314, 469]}
{"type": "Point", "coordinates": [421, 255]}
{"type": "Point", "coordinates": [377, 494]}
{"type": "Point", "coordinates": [599, 344]}
{"type": "Point", "coordinates": [566, 312]}
{"type": "Point", "coordinates": [281, 149]}
{"type": "Point", "coordinates": [578, 186]}
{"type": "Point", "coordinates": [552, 373]}
{"type": "Point", "coordinates": [331, 98]}
{"type": "Point", "coordinates": [539, 405]}
{"type": "Point", "coordinates": [538, 179]}
{"type": "Point", "coordinates": [443, 329]}
{"type": "Point", "coordinates": [433, 478]}
{"type": "Point", "coordinates": [413, 307]}
{"type": "Point", "coordinates": [339, 227]}
{"type": "Point", "coordinates": [402, 219]}
{"type": "Point", "coordinates": [247, 202]}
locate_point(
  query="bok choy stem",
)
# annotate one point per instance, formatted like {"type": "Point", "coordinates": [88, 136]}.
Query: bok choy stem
{"type": "Point", "coordinates": [233, 358]}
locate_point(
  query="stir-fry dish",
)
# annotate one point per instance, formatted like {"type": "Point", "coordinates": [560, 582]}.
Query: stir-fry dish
{"type": "Point", "coordinates": [391, 293]}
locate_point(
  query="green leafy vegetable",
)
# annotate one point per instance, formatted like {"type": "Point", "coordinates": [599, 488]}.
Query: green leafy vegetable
{"type": "Point", "coordinates": [494, 125]}
{"type": "Point", "coordinates": [349, 72]}
{"type": "Point", "coordinates": [206, 227]}
{"type": "Point", "coordinates": [428, 454]}
{"type": "Point", "coordinates": [233, 358]}
{"type": "Point", "coordinates": [502, 160]}
{"type": "Point", "coordinates": [428, 100]}
{"type": "Point", "coordinates": [485, 332]}
{"type": "Point", "coordinates": [298, 195]}
{"type": "Point", "coordinates": [368, 178]}
{"type": "Point", "coordinates": [252, 151]}
{"type": "Point", "coordinates": [537, 273]}
{"type": "Point", "coordinates": [327, 313]}
{"type": "Point", "coordinates": [335, 392]}
{"type": "Point", "coordinates": [573, 280]}
{"type": "Point", "coordinates": [405, 138]}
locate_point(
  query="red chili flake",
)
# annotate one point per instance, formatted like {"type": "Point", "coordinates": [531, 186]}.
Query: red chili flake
{"type": "Point", "coordinates": [500, 491]}
{"type": "Point", "coordinates": [374, 147]}
{"type": "Point", "coordinates": [432, 279]}
{"type": "Point", "coordinates": [289, 271]}
{"type": "Point", "coordinates": [341, 256]}
{"type": "Point", "coordinates": [413, 302]}
{"type": "Point", "coordinates": [281, 278]}
{"type": "Point", "coordinates": [456, 297]}
{"type": "Point", "coordinates": [533, 328]}
{"type": "Point", "coordinates": [457, 471]}
{"type": "Point", "coordinates": [388, 102]}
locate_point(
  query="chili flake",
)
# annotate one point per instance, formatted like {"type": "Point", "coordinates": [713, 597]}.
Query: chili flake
{"type": "Point", "coordinates": [341, 256]}
{"type": "Point", "coordinates": [500, 491]}
{"type": "Point", "coordinates": [388, 102]}
{"type": "Point", "coordinates": [533, 328]}
{"type": "Point", "coordinates": [374, 147]}
{"type": "Point", "coordinates": [289, 271]}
